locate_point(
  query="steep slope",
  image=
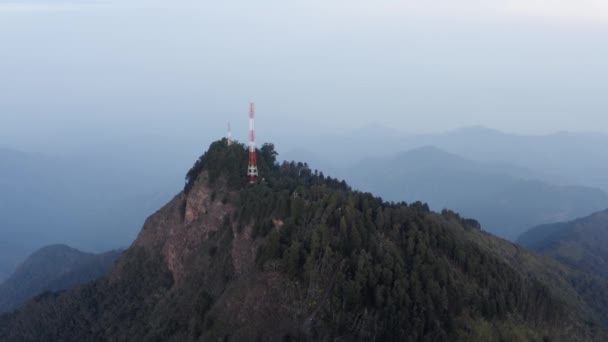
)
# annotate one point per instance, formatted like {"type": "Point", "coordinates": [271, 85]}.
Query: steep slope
{"type": "Point", "coordinates": [503, 198]}
{"type": "Point", "coordinates": [582, 243]}
{"type": "Point", "coordinates": [53, 268]}
{"type": "Point", "coordinates": [302, 257]}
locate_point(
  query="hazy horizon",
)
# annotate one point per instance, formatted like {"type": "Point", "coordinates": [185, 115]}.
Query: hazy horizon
{"type": "Point", "coordinates": [142, 87]}
{"type": "Point", "coordinates": [82, 72]}
{"type": "Point", "coordinates": [284, 140]}
{"type": "Point", "coordinates": [439, 170]}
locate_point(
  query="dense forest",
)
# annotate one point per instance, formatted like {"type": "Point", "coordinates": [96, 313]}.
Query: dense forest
{"type": "Point", "coordinates": [329, 264]}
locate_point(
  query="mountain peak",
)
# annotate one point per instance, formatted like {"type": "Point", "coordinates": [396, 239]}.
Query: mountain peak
{"type": "Point", "coordinates": [299, 256]}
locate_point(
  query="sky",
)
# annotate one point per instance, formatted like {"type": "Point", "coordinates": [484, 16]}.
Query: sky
{"type": "Point", "coordinates": [84, 72]}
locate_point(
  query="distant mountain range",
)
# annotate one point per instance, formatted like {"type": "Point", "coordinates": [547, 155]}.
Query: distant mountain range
{"type": "Point", "coordinates": [506, 199]}
{"type": "Point", "coordinates": [53, 268]}
{"type": "Point", "coordinates": [581, 243]}
{"type": "Point", "coordinates": [95, 203]}
{"type": "Point", "coordinates": [561, 158]}
{"type": "Point", "coordinates": [301, 257]}
{"type": "Point", "coordinates": [96, 200]}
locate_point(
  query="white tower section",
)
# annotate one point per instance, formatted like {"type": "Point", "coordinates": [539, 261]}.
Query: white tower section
{"type": "Point", "coordinates": [252, 168]}
{"type": "Point", "coordinates": [229, 136]}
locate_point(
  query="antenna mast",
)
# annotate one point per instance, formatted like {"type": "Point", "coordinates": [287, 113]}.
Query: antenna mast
{"type": "Point", "coordinates": [252, 168]}
{"type": "Point", "coordinates": [229, 137]}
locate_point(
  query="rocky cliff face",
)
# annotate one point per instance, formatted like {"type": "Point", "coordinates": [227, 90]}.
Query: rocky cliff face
{"type": "Point", "coordinates": [303, 257]}
{"type": "Point", "coordinates": [179, 228]}
{"type": "Point", "coordinates": [199, 243]}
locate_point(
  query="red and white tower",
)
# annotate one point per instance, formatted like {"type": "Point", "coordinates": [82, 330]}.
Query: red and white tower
{"type": "Point", "coordinates": [252, 168]}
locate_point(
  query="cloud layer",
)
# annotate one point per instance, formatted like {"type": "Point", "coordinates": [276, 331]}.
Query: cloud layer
{"type": "Point", "coordinates": [572, 9]}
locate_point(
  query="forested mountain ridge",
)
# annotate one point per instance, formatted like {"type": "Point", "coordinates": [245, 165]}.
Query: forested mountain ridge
{"type": "Point", "coordinates": [300, 256]}
{"type": "Point", "coordinates": [505, 199]}
{"type": "Point", "coordinates": [581, 243]}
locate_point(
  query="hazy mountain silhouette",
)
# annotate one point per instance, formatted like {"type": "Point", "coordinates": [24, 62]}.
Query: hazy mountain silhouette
{"type": "Point", "coordinates": [575, 158]}
{"type": "Point", "coordinates": [562, 158]}
{"type": "Point", "coordinates": [53, 268]}
{"type": "Point", "coordinates": [302, 257]}
{"type": "Point", "coordinates": [10, 257]}
{"type": "Point", "coordinates": [582, 243]}
{"type": "Point", "coordinates": [92, 203]}
{"type": "Point", "coordinates": [504, 198]}
{"type": "Point", "coordinates": [137, 174]}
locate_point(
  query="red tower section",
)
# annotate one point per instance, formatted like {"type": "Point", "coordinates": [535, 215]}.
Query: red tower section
{"type": "Point", "coordinates": [252, 168]}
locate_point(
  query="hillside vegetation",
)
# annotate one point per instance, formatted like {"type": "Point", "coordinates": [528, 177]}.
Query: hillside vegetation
{"type": "Point", "coordinates": [300, 256]}
{"type": "Point", "coordinates": [505, 200]}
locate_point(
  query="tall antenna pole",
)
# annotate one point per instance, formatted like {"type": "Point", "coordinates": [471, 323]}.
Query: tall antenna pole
{"type": "Point", "coordinates": [252, 168]}
{"type": "Point", "coordinates": [229, 137]}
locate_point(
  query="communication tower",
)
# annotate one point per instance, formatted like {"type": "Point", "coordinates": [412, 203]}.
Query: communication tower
{"type": "Point", "coordinates": [252, 168]}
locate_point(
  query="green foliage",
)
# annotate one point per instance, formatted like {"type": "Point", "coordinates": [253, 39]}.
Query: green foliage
{"type": "Point", "coordinates": [357, 268]}
{"type": "Point", "coordinates": [467, 222]}
{"type": "Point", "coordinates": [220, 159]}
{"type": "Point", "coordinates": [91, 312]}
{"type": "Point", "coordinates": [407, 268]}
{"type": "Point", "coordinates": [230, 162]}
